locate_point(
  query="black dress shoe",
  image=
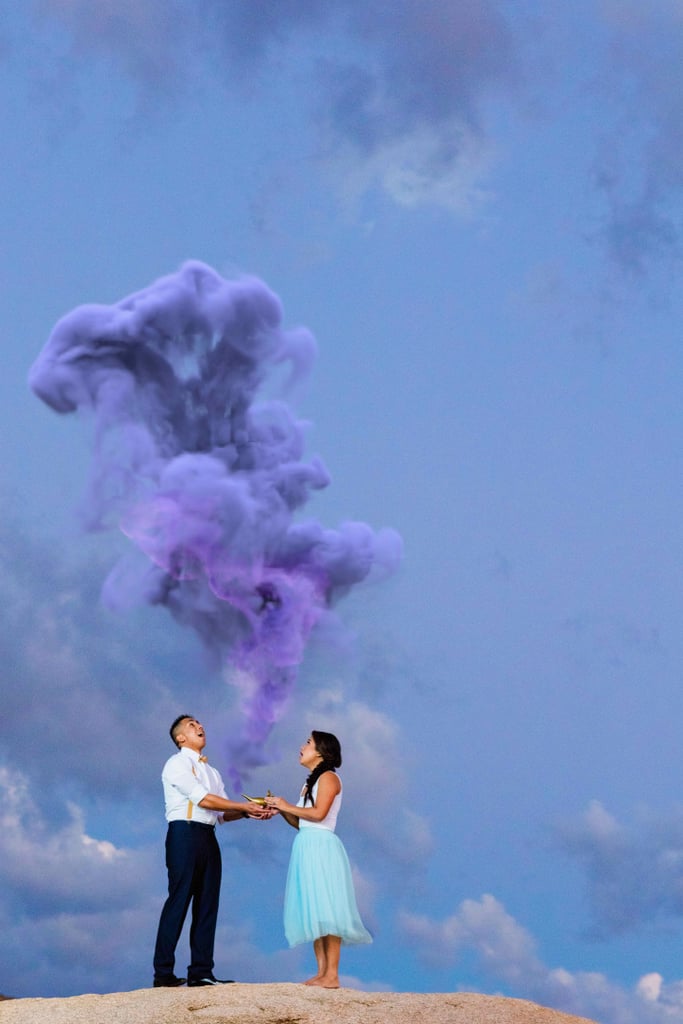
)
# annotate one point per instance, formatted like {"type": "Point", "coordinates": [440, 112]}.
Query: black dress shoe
{"type": "Point", "coordinates": [168, 981]}
{"type": "Point", "coordinates": [209, 980]}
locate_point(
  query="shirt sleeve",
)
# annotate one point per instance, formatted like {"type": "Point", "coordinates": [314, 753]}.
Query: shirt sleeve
{"type": "Point", "coordinates": [178, 774]}
{"type": "Point", "coordinates": [218, 789]}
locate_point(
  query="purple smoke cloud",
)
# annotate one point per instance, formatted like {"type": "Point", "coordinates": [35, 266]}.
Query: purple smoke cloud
{"type": "Point", "coordinates": [206, 478]}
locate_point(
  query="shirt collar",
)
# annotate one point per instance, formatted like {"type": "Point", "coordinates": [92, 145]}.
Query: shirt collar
{"type": "Point", "coordinates": [192, 754]}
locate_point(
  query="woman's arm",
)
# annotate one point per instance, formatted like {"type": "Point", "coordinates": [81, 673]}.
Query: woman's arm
{"type": "Point", "coordinates": [290, 819]}
{"type": "Point", "coordinates": [328, 787]}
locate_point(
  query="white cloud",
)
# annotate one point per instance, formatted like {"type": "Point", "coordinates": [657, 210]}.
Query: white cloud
{"type": "Point", "coordinates": [52, 870]}
{"type": "Point", "coordinates": [634, 873]}
{"type": "Point", "coordinates": [87, 676]}
{"type": "Point", "coordinates": [444, 167]}
{"type": "Point", "coordinates": [505, 947]}
{"type": "Point", "coordinates": [404, 114]}
{"type": "Point", "coordinates": [409, 107]}
{"type": "Point", "coordinates": [650, 987]}
{"type": "Point", "coordinates": [507, 953]}
{"type": "Point", "coordinates": [78, 912]}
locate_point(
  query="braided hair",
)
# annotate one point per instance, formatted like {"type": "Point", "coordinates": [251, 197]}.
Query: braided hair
{"type": "Point", "coordinates": [329, 748]}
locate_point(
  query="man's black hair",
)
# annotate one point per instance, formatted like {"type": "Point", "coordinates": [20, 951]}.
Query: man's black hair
{"type": "Point", "coordinates": [174, 728]}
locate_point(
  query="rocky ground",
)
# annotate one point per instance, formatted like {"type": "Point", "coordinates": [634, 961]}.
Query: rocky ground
{"type": "Point", "coordinates": [279, 1004]}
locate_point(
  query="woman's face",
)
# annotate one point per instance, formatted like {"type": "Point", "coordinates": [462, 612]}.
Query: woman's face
{"type": "Point", "coordinates": [308, 755]}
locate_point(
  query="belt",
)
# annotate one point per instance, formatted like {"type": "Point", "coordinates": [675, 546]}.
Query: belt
{"type": "Point", "coordinates": [192, 824]}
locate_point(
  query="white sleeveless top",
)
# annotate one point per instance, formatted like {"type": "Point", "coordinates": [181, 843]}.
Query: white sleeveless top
{"type": "Point", "coordinates": [330, 821]}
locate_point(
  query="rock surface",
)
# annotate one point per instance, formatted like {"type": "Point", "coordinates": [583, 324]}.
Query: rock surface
{"type": "Point", "coordinates": [279, 1004]}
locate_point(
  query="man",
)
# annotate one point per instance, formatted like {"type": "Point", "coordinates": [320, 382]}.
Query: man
{"type": "Point", "coordinates": [195, 801]}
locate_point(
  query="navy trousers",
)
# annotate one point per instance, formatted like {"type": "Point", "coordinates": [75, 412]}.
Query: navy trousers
{"type": "Point", "coordinates": [193, 860]}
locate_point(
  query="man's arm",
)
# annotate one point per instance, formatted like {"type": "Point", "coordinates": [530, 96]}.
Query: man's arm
{"type": "Point", "coordinates": [233, 809]}
{"type": "Point", "coordinates": [180, 778]}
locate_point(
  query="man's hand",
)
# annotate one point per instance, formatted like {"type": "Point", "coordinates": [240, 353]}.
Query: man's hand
{"type": "Point", "coordinates": [262, 813]}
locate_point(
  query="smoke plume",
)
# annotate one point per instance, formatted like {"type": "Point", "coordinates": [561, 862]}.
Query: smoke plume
{"type": "Point", "coordinates": [206, 475]}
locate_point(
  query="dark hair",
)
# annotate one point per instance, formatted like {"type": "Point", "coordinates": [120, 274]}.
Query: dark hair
{"type": "Point", "coordinates": [329, 748]}
{"type": "Point", "coordinates": [174, 728]}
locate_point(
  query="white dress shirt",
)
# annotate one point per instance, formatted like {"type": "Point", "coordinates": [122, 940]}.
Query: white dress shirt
{"type": "Point", "coordinates": [186, 781]}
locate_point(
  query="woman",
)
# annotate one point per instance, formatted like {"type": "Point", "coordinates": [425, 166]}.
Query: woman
{"type": "Point", "coordinates": [320, 904]}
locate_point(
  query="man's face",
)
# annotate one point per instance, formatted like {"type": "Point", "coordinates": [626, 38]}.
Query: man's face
{"type": "Point", "coordinates": [191, 734]}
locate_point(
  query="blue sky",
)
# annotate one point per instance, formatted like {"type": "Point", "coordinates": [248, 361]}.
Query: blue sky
{"type": "Point", "coordinates": [475, 208]}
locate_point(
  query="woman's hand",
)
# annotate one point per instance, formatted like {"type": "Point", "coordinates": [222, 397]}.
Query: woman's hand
{"type": "Point", "coordinates": [277, 803]}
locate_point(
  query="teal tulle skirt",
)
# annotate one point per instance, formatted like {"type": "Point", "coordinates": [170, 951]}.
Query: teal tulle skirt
{"type": "Point", "coordinates": [319, 895]}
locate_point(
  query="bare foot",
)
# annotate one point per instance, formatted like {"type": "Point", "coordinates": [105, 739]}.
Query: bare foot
{"type": "Point", "coordinates": [324, 982]}
{"type": "Point", "coordinates": [313, 981]}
